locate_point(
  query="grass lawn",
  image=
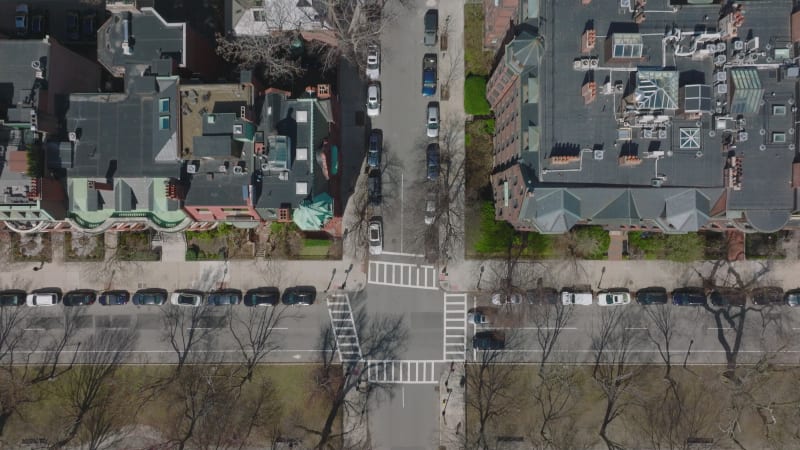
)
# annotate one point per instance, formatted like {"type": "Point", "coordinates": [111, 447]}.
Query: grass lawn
{"type": "Point", "coordinates": [135, 246]}
{"type": "Point", "coordinates": [674, 247]}
{"type": "Point", "coordinates": [475, 102]}
{"type": "Point", "coordinates": [476, 60]}
{"type": "Point", "coordinates": [216, 243]}
{"type": "Point", "coordinates": [649, 408]}
{"type": "Point", "coordinates": [315, 248]}
{"type": "Point", "coordinates": [150, 419]}
{"type": "Point", "coordinates": [494, 238]}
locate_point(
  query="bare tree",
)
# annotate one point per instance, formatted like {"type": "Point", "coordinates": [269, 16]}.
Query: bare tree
{"type": "Point", "coordinates": [253, 335]}
{"type": "Point", "coordinates": [661, 317]}
{"type": "Point", "coordinates": [550, 321]}
{"type": "Point", "coordinates": [555, 395]}
{"type": "Point", "coordinates": [185, 328]}
{"type": "Point", "coordinates": [270, 53]}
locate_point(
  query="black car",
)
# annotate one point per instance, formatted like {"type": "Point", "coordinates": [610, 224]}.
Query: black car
{"type": "Point", "coordinates": [299, 295]}
{"type": "Point", "coordinates": [152, 296]}
{"type": "Point", "coordinates": [792, 297]}
{"type": "Point", "coordinates": [689, 296]}
{"type": "Point", "coordinates": [225, 297]}
{"type": "Point", "coordinates": [542, 296]}
{"type": "Point", "coordinates": [432, 158]}
{"type": "Point", "coordinates": [652, 296]}
{"type": "Point", "coordinates": [489, 340]}
{"type": "Point", "coordinates": [375, 149]}
{"type": "Point", "coordinates": [263, 296]}
{"type": "Point", "coordinates": [12, 297]}
{"type": "Point", "coordinates": [81, 297]}
{"type": "Point", "coordinates": [113, 298]}
{"type": "Point", "coordinates": [727, 297]}
{"type": "Point", "coordinates": [374, 187]}
{"type": "Point", "coordinates": [770, 295]}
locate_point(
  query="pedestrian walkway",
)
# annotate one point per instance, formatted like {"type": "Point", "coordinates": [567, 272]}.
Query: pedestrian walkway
{"type": "Point", "coordinates": [402, 371]}
{"type": "Point", "coordinates": [344, 327]}
{"type": "Point", "coordinates": [615, 246]}
{"type": "Point", "coordinates": [455, 327]}
{"type": "Point", "coordinates": [402, 274]}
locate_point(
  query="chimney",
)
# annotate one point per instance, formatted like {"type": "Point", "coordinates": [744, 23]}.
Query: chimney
{"type": "Point", "coordinates": [589, 92]}
{"type": "Point", "coordinates": [98, 186]}
{"type": "Point", "coordinates": [588, 40]}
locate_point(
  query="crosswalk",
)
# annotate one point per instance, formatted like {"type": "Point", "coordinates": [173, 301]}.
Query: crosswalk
{"type": "Point", "coordinates": [402, 371]}
{"type": "Point", "coordinates": [402, 274]}
{"type": "Point", "coordinates": [455, 327]}
{"type": "Point", "coordinates": [344, 327]}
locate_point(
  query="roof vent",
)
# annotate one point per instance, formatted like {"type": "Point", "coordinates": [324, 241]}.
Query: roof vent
{"type": "Point", "coordinates": [191, 168]}
{"type": "Point", "coordinates": [265, 167]}
{"type": "Point", "coordinates": [238, 128]}
{"type": "Point", "coordinates": [73, 136]}
{"type": "Point", "coordinates": [283, 175]}
{"type": "Point", "coordinates": [598, 154]}
{"type": "Point", "coordinates": [222, 168]}
{"type": "Point", "coordinates": [238, 170]}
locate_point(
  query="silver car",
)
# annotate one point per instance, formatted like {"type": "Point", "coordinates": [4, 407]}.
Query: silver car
{"type": "Point", "coordinates": [373, 99]}
{"type": "Point", "coordinates": [433, 120]}
{"type": "Point", "coordinates": [375, 236]}
{"type": "Point", "coordinates": [373, 63]}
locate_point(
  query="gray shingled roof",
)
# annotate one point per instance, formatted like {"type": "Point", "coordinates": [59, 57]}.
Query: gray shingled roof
{"type": "Point", "coordinates": [19, 88]}
{"type": "Point", "coordinates": [557, 210]}
{"type": "Point", "coordinates": [150, 38]}
{"type": "Point", "coordinates": [687, 211]}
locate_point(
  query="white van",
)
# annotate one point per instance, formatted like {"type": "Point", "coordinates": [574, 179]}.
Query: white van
{"type": "Point", "coordinates": [569, 297]}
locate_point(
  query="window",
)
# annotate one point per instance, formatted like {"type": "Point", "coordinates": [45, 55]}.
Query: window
{"type": "Point", "coordinates": [258, 15]}
{"type": "Point", "coordinates": [778, 110]}
{"type": "Point", "coordinates": [778, 137]}
{"type": "Point", "coordinates": [163, 105]}
{"type": "Point", "coordinates": [302, 154]}
{"type": "Point", "coordinates": [302, 116]}
{"type": "Point", "coordinates": [163, 123]}
{"type": "Point", "coordinates": [301, 188]}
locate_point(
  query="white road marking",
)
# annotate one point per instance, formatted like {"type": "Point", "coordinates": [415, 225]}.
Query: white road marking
{"type": "Point", "coordinates": [199, 328]}
{"type": "Point", "coordinates": [454, 346]}
{"type": "Point", "coordinates": [409, 255]}
{"type": "Point", "coordinates": [635, 328]}
{"type": "Point", "coordinates": [402, 371]}
{"type": "Point", "coordinates": [34, 329]}
{"type": "Point", "coordinates": [344, 327]}
{"type": "Point", "coordinates": [528, 328]}
{"type": "Point", "coordinates": [720, 328]}
{"type": "Point", "coordinates": [402, 274]}
{"type": "Point", "coordinates": [403, 391]}
{"type": "Point", "coordinates": [402, 207]}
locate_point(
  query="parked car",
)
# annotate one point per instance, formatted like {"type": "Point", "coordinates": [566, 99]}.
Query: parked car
{"type": "Point", "coordinates": [542, 296]}
{"type": "Point", "coordinates": [373, 62]}
{"type": "Point", "coordinates": [652, 296]}
{"type": "Point", "coordinates": [573, 297]}
{"type": "Point", "coordinates": [374, 187]}
{"type": "Point", "coordinates": [186, 298]}
{"type": "Point", "coordinates": [80, 297]}
{"type": "Point", "coordinates": [375, 236]}
{"type": "Point", "coordinates": [769, 295]}
{"type": "Point", "coordinates": [151, 296]}
{"type": "Point", "coordinates": [430, 208]}
{"type": "Point", "coordinates": [689, 296]}
{"type": "Point", "coordinates": [431, 27]}
{"type": "Point", "coordinates": [432, 120]}
{"type": "Point", "coordinates": [477, 317]}
{"type": "Point", "coordinates": [489, 340]}
{"type": "Point", "coordinates": [38, 24]}
{"type": "Point", "coordinates": [43, 298]}
{"type": "Point", "coordinates": [12, 297]}
{"type": "Point", "coordinates": [432, 158]}
{"type": "Point", "coordinates": [792, 297]}
{"type": "Point", "coordinates": [375, 149]}
{"type": "Point", "coordinates": [88, 20]}
{"type": "Point", "coordinates": [429, 74]}
{"type": "Point", "coordinates": [110, 298]}
{"type": "Point", "coordinates": [613, 298]}
{"type": "Point", "coordinates": [300, 295]}
{"type": "Point", "coordinates": [262, 296]}
{"type": "Point", "coordinates": [502, 298]}
{"type": "Point", "coordinates": [373, 99]}
{"type": "Point", "coordinates": [727, 297]}
{"type": "Point", "coordinates": [224, 297]}
{"type": "Point", "coordinates": [73, 25]}
{"type": "Point", "coordinates": [21, 19]}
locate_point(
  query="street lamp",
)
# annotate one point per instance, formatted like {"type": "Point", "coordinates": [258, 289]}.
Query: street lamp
{"type": "Point", "coordinates": [480, 277]}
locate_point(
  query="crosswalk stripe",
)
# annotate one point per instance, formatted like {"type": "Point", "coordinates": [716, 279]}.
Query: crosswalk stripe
{"type": "Point", "coordinates": [402, 274]}
{"type": "Point", "coordinates": [455, 336]}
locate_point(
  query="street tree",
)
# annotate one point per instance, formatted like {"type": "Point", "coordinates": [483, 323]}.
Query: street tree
{"type": "Point", "coordinates": [550, 321]}
{"type": "Point", "coordinates": [185, 328]}
{"type": "Point", "coordinates": [252, 330]}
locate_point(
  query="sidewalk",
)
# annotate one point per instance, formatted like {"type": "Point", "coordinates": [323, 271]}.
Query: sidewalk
{"type": "Point", "coordinates": [452, 420]}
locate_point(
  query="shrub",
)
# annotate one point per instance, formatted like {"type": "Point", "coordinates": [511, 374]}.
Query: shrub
{"type": "Point", "coordinates": [475, 96]}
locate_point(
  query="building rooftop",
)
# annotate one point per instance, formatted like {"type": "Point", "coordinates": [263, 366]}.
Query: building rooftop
{"type": "Point", "coordinates": [25, 72]}
{"type": "Point", "coordinates": [132, 134]}
{"type": "Point", "coordinates": [211, 110]}
{"type": "Point", "coordinates": [251, 18]}
{"type": "Point", "coordinates": [217, 183]}
{"type": "Point", "coordinates": [141, 38]}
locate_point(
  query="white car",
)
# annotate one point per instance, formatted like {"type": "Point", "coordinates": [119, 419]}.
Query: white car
{"type": "Point", "coordinates": [430, 209]}
{"type": "Point", "coordinates": [432, 128]}
{"type": "Point", "coordinates": [576, 298]}
{"type": "Point", "coordinates": [373, 63]}
{"type": "Point", "coordinates": [42, 299]}
{"type": "Point", "coordinates": [186, 298]}
{"type": "Point", "coordinates": [613, 298]}
{"type": "Point", "coordinates": [373, 99]}
{"type": "Point", "coordinates": [500, 298]}
{"type": "Point", "coordinates": [375, 236]}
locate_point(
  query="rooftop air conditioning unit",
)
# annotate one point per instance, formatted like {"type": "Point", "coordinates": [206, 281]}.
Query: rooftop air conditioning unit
{"type": "Point", "coordinates": [657, 181]}
{"type": "Point", "coordinates": [598, 154]}
{"type": "Point", "coordinates": [73, 136]}
{"type": "Point", "coordinates": [283, 176]}
{"type": "Point", "coordinates": [191, 168]}
{"type": "Point", "coordinates": [238, 170]}
{"type": "Point", "coordinates": [662, 134]}
{"type": "Point", "coordinates": [222, 169]}
{"type": "Point", "coordinates": [238, 129]}
{"type": "Point", "coordinates": [265, 167]}
{"type": "Point", "coordinates": [39, 74]}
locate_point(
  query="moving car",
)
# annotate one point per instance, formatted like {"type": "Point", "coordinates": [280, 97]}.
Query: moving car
{"type": "Point", "coordinates": [374, 187]}
{"type": "Point", "coordinates": [770, 295]}
{"type": "Point", "coordinates": [613, 298]}
{"type": "Point", "coordinates": [689, 296]}
{"type": "Point", "coordinates": [224, 297]}
{"type": "Point", "coordinates": [43, 298]}
{"type": "Point", "coordinates": [150, 296]}
{"type": "Point", "coordinates": [373, 62]}
{"type": "Point", "coordinates": [430, 208]}
{"type": "Point", "coordinates": [12, 297]}
{"type": "Point", "coordinates": [572, 297]}
{"type": "Point", "coordinates": [375, 236]}
{"type": "Point", "coordinates": [375, 149]}
{"type": "Point", "coordinates": [186, 298]}
{"type": "Point", "coordinates": [80, 297]}
{"type": "Point", "coordinates": [431, 27]}
{"type": "Point", "coordinates": [502, 298]}
{"type": "Point", "coordinates": [432, 120]}
{"type": "Point", "coordinates": [652, 296]}
{"type": "Point", "coordinates": [262, 296]}
{"type": "Point", "coordinates": [110, 298]}
{"type": "Point", "coordinates": [299, 295]}
{"type": "Point", "coordinates": [727, 297]}
{"type": "Point", "coordinates": [429, 74]}
{"type": "Point", "coordinates": [373, 99]}
{"type": "Point", "coordinates": [21, 19]}
{"type": "Point", "coordinates": [489, 340]}
{"type": "Point", "coordinates": [73, 25]}
{"type": "Point", "coordinates": [432, 158]}
{"type": "Point", "coordinates": [542, 296]}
